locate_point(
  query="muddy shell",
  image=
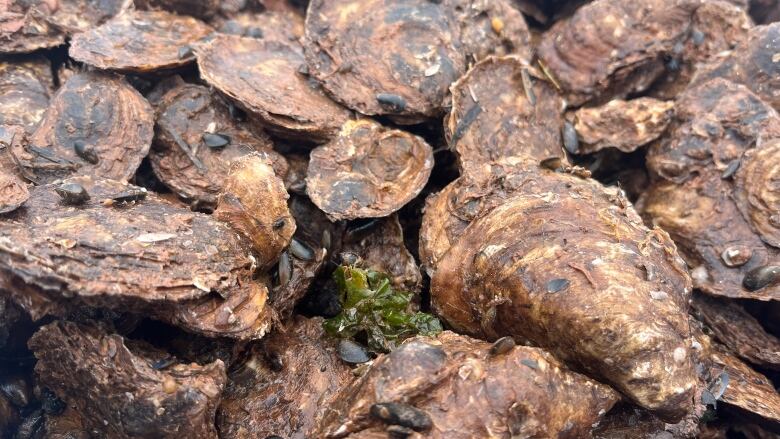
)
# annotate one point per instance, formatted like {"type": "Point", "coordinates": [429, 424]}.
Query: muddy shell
{"type": "Point", "coordinates": [716, 27]}
{"type": "Point", "coordinates": [524, 392]}
{"type": "Point", "coordinates": [140, 42]}
{"type": "Point", "coordinates": [492, 27]}
{"type": "Point", "coordinates": [285, 26]}
{"type": "Point", "coordinates": [714, 124]}
{"type": "Point", "coordinates": [610, 48]}
{"type": "Point", "coordinates": [399, 58]}
{"type": "Point", "coordinates": [294, 371]}
{"type": "Point", "coordinates": [203, 9]}
{"type": "Point", "coordinates": [380, 246]}
{"type": "Point", "coordinates": [630, 422]}
{"type": "Point", "coordinates": [704, 221]}
{"type": "Point", "coordinates": [367, 171]}
{"type": "Point", "coordinates": [700, 201]}
{"type": "Point", "coordinates": [110, 253]}
{"type": "Point", "coordinates": [24, 29]}
{"type": "Point", "coordinates": [67, 425]}
{"type": "Point", "coordinates": [96, 113]}
{"type": "Point", "coordinates": [735, 384]}
{"type": "Point", "coordinates": [752, 63]}
{"type": "Point", "coordinates": [184, 156]}
{"type": "Point", "coordinates": [731, 325]}
{"type": "Point", "coordinates": [254, 202]}
{"type": "Point", "coordinates": [530, 268]}
{"type": "Point", "coordinates": [26, 26]}
{"type": "Point", "coordinates": [385, 57]}
{"type": "Point", "coordinates": [625, 125]}
{"type": "Point", "coordinates": [114, 380]}
{"type": "Point", "coordinates": [500, 109]}
{"type": "Point", "coordinates": [27, 86]}
{"type": "Point", "coordinates": [263, 77]}
{"type": "Point", "coordinates": [13, 192]}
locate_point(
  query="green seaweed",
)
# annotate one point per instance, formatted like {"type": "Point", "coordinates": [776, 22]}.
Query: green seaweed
{"type": "Point", "coordinates": [371, 308]}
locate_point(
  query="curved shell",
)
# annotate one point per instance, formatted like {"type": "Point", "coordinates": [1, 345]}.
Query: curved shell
{"type": "Point", "coordinates": [610, 48]}
{"type": "Point", "coordinates": [471, 196]}
{"type": "Point", "coordinates": [553, 266]}
{"type": "Point", "coordinates": [757, 190]}
{"type": "Point", "coordinates": [254, 202]}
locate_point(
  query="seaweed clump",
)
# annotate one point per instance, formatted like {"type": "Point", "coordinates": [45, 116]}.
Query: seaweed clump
{"type": "Point", "coordinates": [373, 312]}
